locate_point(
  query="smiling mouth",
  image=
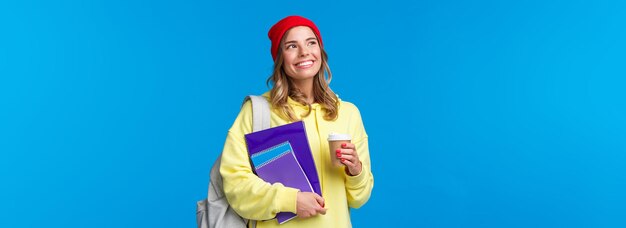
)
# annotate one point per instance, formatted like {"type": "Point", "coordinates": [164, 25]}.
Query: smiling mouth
{"type": "Point", "coordinates": [305, 64]}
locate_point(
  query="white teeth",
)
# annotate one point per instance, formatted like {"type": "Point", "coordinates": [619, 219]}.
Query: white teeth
{"type": "Point", "coordinates": [305, 63]}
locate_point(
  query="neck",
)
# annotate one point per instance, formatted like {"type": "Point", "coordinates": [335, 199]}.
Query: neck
{"type": "Point", "coordinates": [306, 87]}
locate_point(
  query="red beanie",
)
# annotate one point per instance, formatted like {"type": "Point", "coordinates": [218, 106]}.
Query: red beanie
{"type": "Point", "coordinates": [278, 30]}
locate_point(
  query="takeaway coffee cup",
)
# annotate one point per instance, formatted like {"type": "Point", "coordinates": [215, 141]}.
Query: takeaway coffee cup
{"type": "Point", "coordinates": [334, 142]}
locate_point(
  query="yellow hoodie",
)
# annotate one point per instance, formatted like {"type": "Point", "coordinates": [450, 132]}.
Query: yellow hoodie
{"type": "Point", "coordinates": [256, 199]}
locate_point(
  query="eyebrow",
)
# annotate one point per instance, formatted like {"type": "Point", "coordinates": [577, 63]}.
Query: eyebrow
{"type": "Point", "coordinates": [293, 41]}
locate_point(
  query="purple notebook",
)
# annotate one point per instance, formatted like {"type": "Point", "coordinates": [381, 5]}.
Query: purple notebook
{"type": "Point", "coordinates": [279, 164]}
{"type": "Point", "coordinates": [282, 154]}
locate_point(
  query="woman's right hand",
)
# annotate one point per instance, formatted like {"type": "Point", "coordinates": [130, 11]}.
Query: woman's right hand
{"type": "Point", "coordinates": [309, 204]}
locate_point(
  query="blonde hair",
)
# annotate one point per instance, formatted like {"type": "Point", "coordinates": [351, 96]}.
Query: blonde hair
{"type": "Point", "coordinates": [283, 88]}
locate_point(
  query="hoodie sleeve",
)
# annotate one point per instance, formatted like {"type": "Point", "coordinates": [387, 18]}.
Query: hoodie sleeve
{"type": "Point", "coordinates": [250, 196]}
{"type": "Point", "coordinates": [359, 187]}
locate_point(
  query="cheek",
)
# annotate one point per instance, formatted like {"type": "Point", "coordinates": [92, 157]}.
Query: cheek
{"type": "Point", "coordinates": [288, 60]}
{"type": "Point", "coordinates": [285, 63]}
{"type": "Point", "coordinates": [318, 56]}
{"type": "Point", "coordinates": [319, 66]}
{"type": "Point", "coordinates": [317, 52]}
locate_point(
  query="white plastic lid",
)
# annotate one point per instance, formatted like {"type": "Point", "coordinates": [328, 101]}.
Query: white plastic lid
{"type": "Point", "coordinates": [338, 137]}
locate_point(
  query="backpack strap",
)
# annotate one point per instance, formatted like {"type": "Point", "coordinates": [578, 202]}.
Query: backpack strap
{"type": "Point", "coordinates": [215, 210]}
{"type": "Point", "coordinates": [260, 112]}
{"type": "Point", "coordinates": [260, 121]}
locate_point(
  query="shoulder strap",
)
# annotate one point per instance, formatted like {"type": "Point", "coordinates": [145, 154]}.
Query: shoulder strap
{"type": "Point", "coordinates": [225, 215]}
{"type": "Point", "coordinates": [260, 112]}
{"type": "Point", "coordinates": [260, 121]}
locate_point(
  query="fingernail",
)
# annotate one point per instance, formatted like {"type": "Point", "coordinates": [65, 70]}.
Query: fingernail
{"type": "Point", "coordinates": [338, 151]}
{"type": "Point", "coordinates": [338, 155]}
{"type": "Point", "coordinates": [343, 145]}
{"type": "Point", "coordinates": [343, 159]}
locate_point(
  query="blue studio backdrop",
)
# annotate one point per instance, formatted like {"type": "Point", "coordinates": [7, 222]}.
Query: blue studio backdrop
{"type": "Point", "coordinates": [479, 113]}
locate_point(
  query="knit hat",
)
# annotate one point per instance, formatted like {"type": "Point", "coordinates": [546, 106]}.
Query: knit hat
{"type": "Point", "coordinates": [278, 30]}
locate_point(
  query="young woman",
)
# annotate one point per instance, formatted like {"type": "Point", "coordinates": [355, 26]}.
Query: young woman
{"type": "Point", "coordinates": [300, 91]}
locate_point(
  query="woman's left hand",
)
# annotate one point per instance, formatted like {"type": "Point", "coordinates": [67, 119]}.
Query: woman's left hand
{"type": "Point", "coordinates": [350, 158]}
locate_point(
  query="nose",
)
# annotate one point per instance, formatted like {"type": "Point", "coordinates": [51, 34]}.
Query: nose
{"type": "Point", "coordinates": [304, 51]}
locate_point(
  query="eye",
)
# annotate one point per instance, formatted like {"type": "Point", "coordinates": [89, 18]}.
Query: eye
{"type": "Point", "coordinates": [290, 46]}
{"type": "Point", "coordinates": [312, 43]}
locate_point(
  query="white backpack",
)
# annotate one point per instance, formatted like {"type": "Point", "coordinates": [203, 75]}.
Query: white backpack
{"type": "Point", "coordinates": [214, 211]}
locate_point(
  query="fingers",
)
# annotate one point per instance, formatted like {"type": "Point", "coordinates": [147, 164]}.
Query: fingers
{"type": "Point", "coordinates": [353, 166]}
{"type": "Point", "coordinates": [309, 204]}
{"type": "Point", "coordinates": [348, 162]}
{"type": "Point", "coordinates": [319, 199]}
{"type": "Point", "coordinates": [322, 210]}
{"type": "Point", "coordinates": [344, 152]}
{"type": "Point", "coordinates": [348, 146]}
{"type": "Point", "coordinates": [348, 152]}
{"type": "Point", "coordinates": [348, 158]}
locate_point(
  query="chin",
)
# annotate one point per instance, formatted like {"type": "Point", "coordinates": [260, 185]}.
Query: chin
{"type": "Point", "coordinates": [304, 75]}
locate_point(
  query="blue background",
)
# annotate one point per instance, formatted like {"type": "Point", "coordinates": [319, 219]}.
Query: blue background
{"type": "Point", "coordinates": [480, 113]}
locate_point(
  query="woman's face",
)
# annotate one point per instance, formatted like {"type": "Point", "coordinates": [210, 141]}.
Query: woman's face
{"type": "Point", "coordinates": [301, 53]}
